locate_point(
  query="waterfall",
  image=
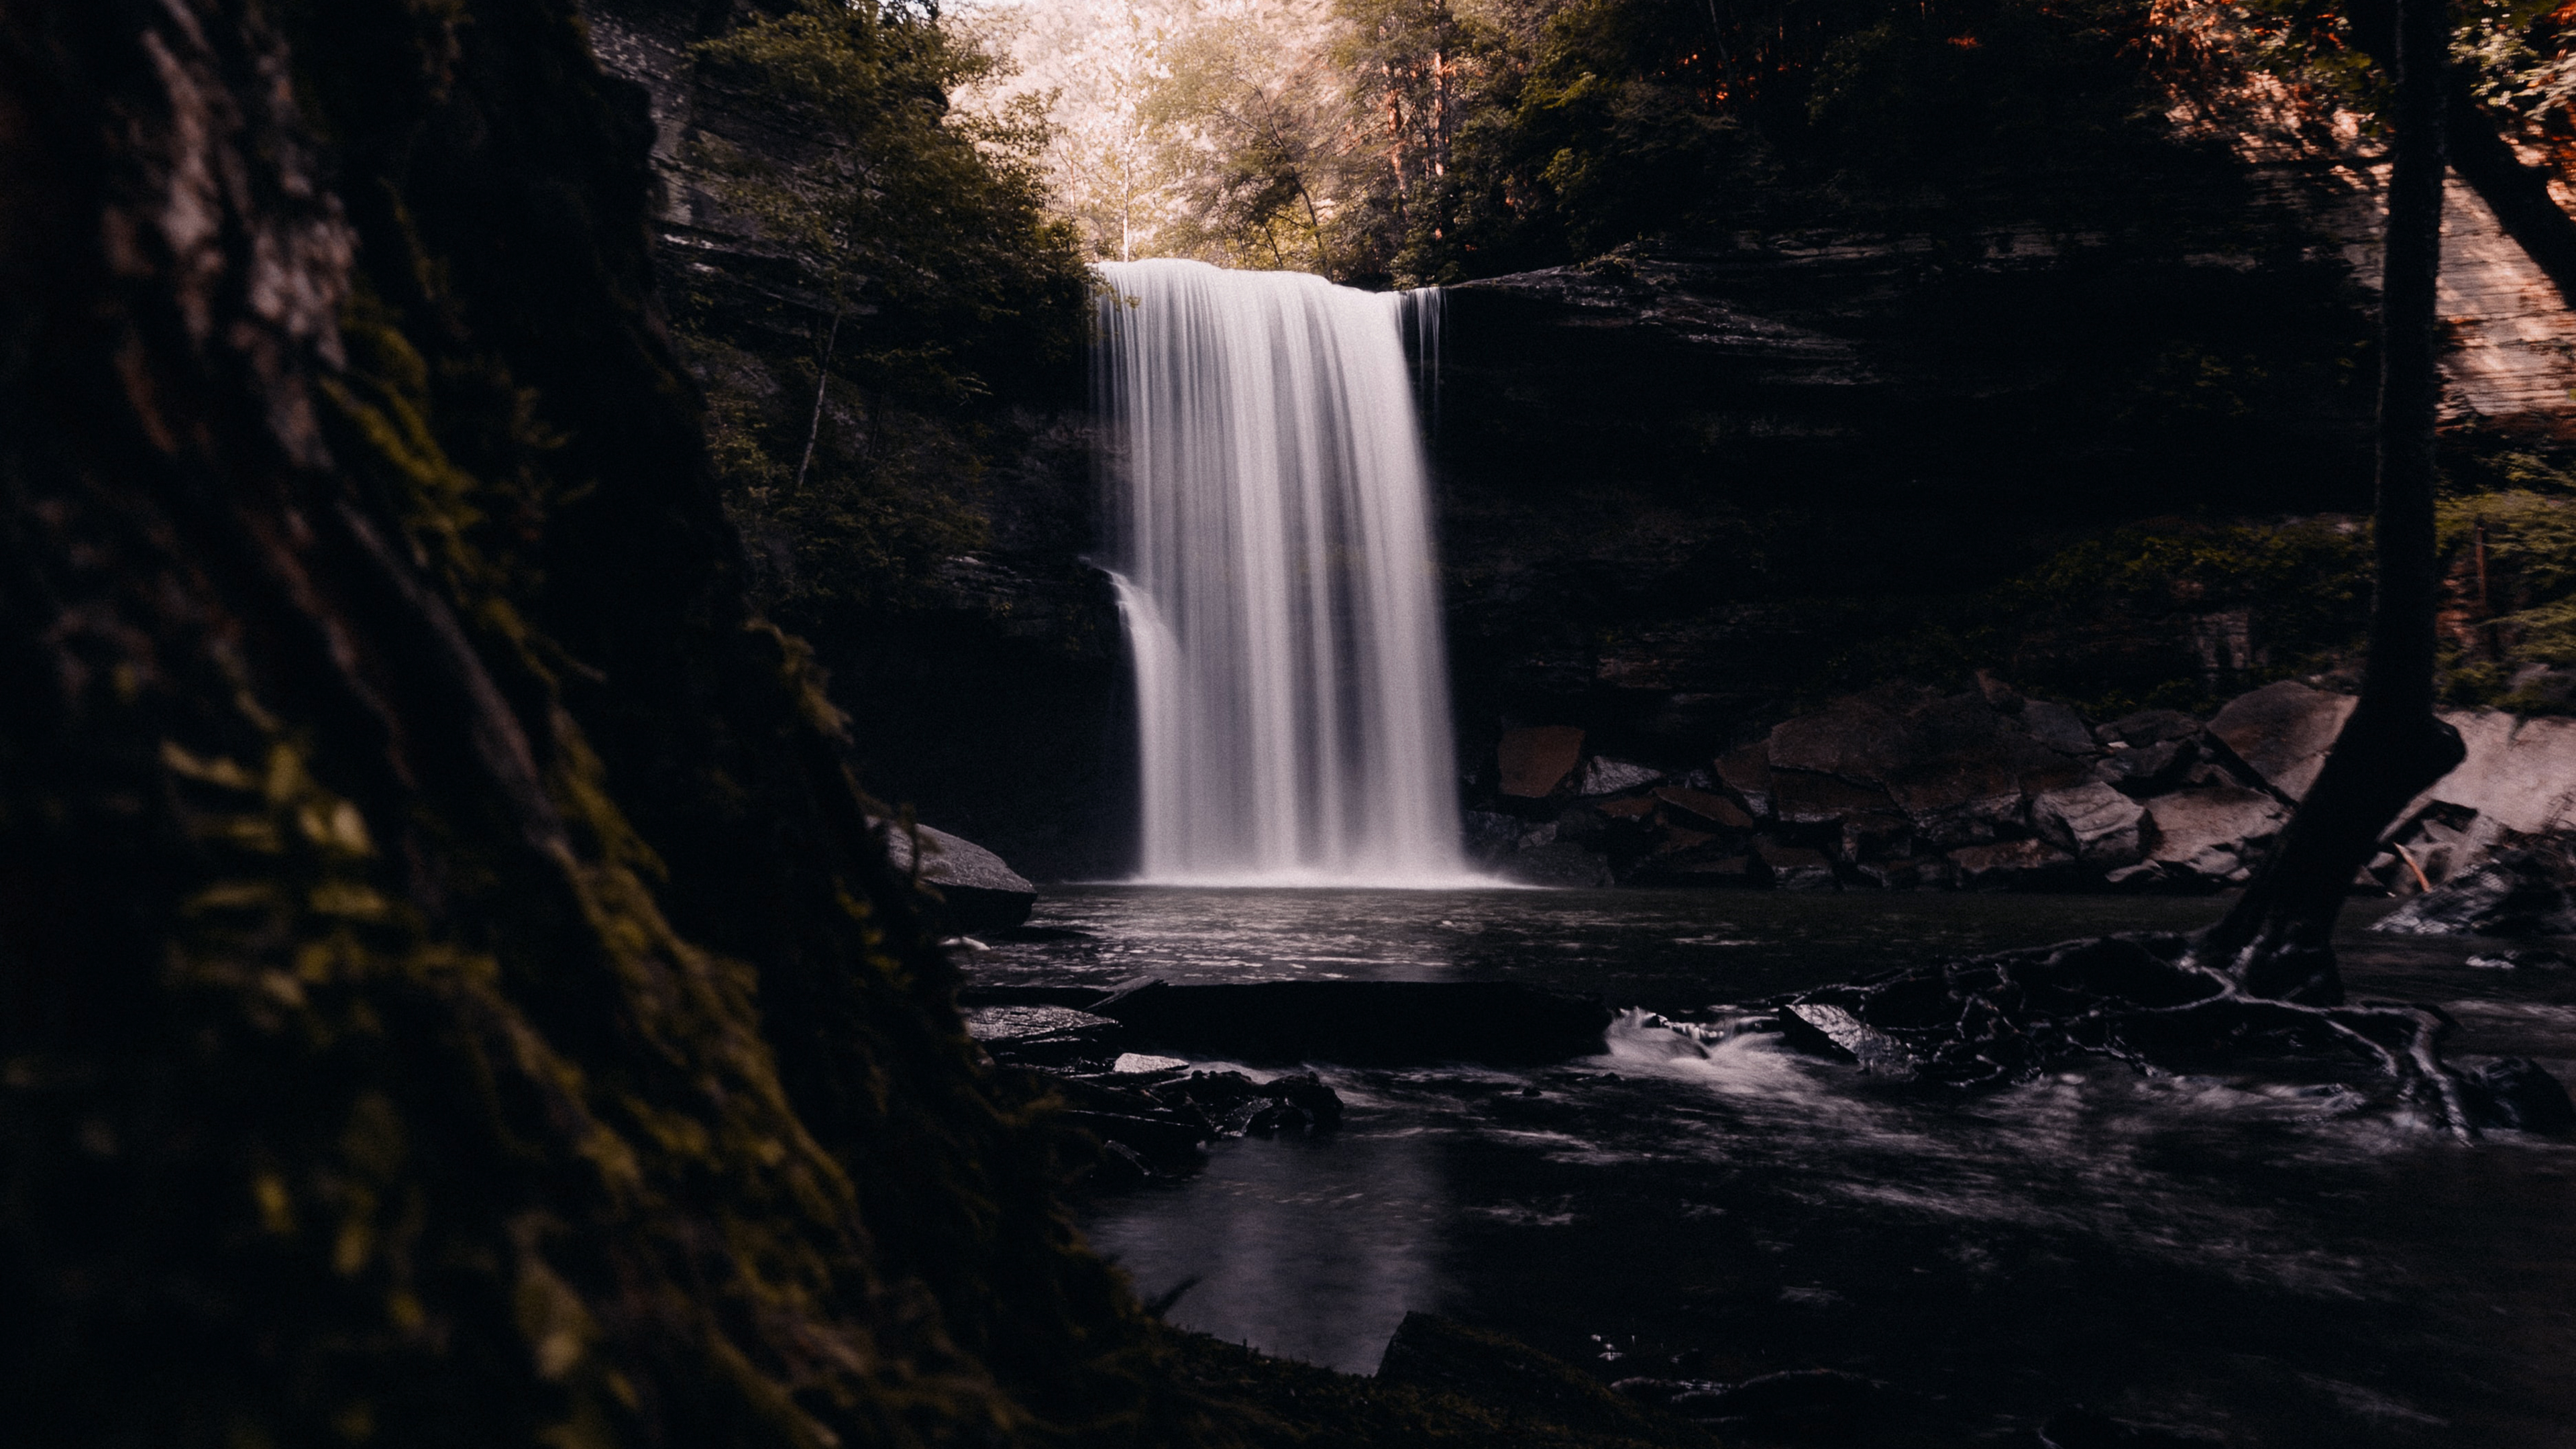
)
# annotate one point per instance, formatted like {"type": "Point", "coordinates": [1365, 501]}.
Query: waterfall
{"type": "Point", "coordinates": [1271, 521]}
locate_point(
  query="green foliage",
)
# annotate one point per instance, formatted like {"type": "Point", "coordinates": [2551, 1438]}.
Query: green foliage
{"type": "Point", "coordinates": [923, 234]}
{"type": "Point", "coordinates": [2115, 623]}
{"type": "Point", "coordinates": [2520, 608]}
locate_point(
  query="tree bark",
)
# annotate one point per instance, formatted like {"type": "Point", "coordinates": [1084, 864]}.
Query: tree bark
{"type": "Point", "coordinates": [2276, 941]}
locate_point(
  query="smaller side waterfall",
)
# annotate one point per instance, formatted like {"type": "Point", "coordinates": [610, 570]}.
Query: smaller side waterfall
{"type": "Point", "coordinates": [1275, 568]}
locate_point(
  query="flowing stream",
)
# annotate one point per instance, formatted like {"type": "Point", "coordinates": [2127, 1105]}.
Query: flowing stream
{"type": "Point", "coordinates": [1274, 563]}
{"type": "Point", "coordinates": [2254, 1253]}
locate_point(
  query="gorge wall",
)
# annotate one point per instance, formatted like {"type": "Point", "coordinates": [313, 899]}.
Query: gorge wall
{"type": "Point", "coordinates": [1689, 491]}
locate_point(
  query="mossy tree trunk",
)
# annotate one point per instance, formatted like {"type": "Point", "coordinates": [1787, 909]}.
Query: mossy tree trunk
{"type": "Point", "coordinates": [449, 991]}
{"type": "Point", "coordinates": [2277, 939]}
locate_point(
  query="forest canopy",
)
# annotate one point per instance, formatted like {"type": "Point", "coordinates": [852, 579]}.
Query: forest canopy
{"type": "Point", "coordinates": [1429, 141]}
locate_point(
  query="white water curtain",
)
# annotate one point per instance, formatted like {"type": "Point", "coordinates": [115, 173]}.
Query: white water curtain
{"type": "Point", "coordinates": [1272, 521]}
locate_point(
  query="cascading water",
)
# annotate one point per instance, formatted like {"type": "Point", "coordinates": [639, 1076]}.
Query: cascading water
{"type": "Point", "coordinates": [1274, 564]}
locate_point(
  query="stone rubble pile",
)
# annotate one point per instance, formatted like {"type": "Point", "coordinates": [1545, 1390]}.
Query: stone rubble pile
{"type": "Point", "coordinates": [1903, 787]}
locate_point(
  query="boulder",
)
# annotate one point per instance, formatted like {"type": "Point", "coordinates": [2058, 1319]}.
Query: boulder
{"type": "Point", "coordinates": [2057, 726]}
{"type": "Point", "coordinates": [976, 890]}
{"type": "Point", "coordinates": [1535, 760]}
{"type": "Point", "coordinates": [1707, 865]}
{"type": "Point", "coordinates": [1874, 834]}
{"type": "Point", "coordinates": [1796, 868]}
{"type": "Point", "coordinates": [1610, 777]}
{"type": "Point", "coordinates": [2149, 727]}
{"type": "Point", "coordinates": [2520, 773]}
{"type": "Point", "coordinates": [2518, 893]}
{"type": "Point", "coordinates": [2013, 865]}
{"type": "Point", "coordinates": [2516, 1092]}
{"type": "Point", "coordinates": [1702, 809]}
{"type": "Point", "coordinates": [2215, 834]}
{"type": "Point", "coordinates": [2148, 769]}
{"type": "Point", "coordinates": [1960, 769]}
{"type": "Point", "coordinates": [1807, 797]}
{"type": "Point", "coordinates": [2282, 732]}
{"type": "Point", "coordinates": [2096, 824]}
{"type": "Point", "coordinates": [1747, 772]}
{"type": "Point", "coordinates": [1560, 863]}
{"type": "Point", "coordinates": [1489, 836]}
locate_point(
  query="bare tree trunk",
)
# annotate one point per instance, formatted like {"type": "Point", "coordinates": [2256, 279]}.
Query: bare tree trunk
{"type": "Point", "coordinates": [2276, 941]}
{"type": "Point", "coordinates": [822, 385]}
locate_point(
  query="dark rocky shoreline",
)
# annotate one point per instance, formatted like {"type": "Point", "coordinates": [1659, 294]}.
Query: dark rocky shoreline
{"type": "Point", "coordinates": [1906, 788]}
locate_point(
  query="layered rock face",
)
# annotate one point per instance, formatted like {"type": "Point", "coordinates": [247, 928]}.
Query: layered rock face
{"type": "Point", "coordinates": [1907, 788]}
{"type": "Point", "coordinates": [1686, 490]}
{"type": "Point", "coordinates": [993, 696]}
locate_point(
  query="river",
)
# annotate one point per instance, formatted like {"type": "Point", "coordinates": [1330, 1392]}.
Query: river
{"type": "Point", "coordinates": [2263, 1257]}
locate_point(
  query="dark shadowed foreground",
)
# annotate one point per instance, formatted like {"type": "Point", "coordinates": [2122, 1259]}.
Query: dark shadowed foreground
{"type": "Point", "coordinates": [449, 993]}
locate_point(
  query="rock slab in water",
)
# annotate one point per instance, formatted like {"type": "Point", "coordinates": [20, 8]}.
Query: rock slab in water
{"type": "Point", "coordinates": [1363, 1023]}
{"type": "Point", "coordinates": [978, 890]}
{"type": "Point", "coordinates": [2518, 1092]}
{"type": "Point", "coordinates": [2519, 893]}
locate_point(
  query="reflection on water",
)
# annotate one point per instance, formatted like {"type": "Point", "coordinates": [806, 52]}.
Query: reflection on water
{"type": "Point", "coordinates": [2267, 1259]}
{"type": "Point", "coordinates": [1312, 1250]}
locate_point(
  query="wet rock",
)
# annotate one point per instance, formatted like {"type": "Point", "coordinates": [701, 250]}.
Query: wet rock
{"type": "Point", "coordinates": [1809, 797]}
{"type": "Point", "coordinates": [2013, 865]}
{"type": "Point", "coordinates": [2086, 1429]}
{"type": "Point", "coordinates": [1239, 1106]}
{"type": "Point", "coordinates": [2149, 727]}
{"type": "Point", "coordinates": [1774, 1399]}
{"type": "Point", "coordinates": [1875, 834]}
{"type": "Point", "coordinates": [1042, 1035]}
{"type": "Point", "coordinates": [2148, 769]}
{"type": "Point", "coordinates": [1551, 862]}
{"type": "Point", "coordinates": [1796, 868]}
{"type": "Point", "coordinates": [1535, 760]}
{"type": "Point", "coordinates": [1747, 772]}
{"type": "Point", "coordinates": [976, 890]}
{"type": "Point", "coordinates": [1701, 866]}
{"type": "Point", "coordinates": [1828, 1030]}
{"type": "Point", "coordinates": [2057, 726]}
{"type": "Point", "coordinates": [1363, 1023]}
{"type": "Point", "coordinates": [2517, 1092]}
{"type": "Point", "coordinates": [2096, 824]}
{"type": "Point", "coordinates": [2214, 835]}
{"type": "Point", "coordinates": [1958, 768]}
{"type": "Point", "coordinates": [1701, 808]}
{"type": "Point", "coordinates": [2282, 732]}
{"type": "Point", "coordinates": [2523, 961]}
{"type": "Point", "coordinates": [1438, 1355]}
{"type": "Point", "coordinates": [1488, 836]}
{"type": "Point", "coordinates": [1120, 1163]}
{"type": "Point", "coordinates": [1610, 777]}
{"type": "Point", "coordinates": [2518, 893]}
{"type": "Point", "coordinates": [1583, 823]}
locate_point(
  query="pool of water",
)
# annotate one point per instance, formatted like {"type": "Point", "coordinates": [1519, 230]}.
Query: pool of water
{"type": "Point", "coordinates": [2248, 1255]}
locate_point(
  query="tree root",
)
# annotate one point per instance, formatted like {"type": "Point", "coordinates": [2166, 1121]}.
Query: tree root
{"type": "Point", "coordinates": [1994, 1021]}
